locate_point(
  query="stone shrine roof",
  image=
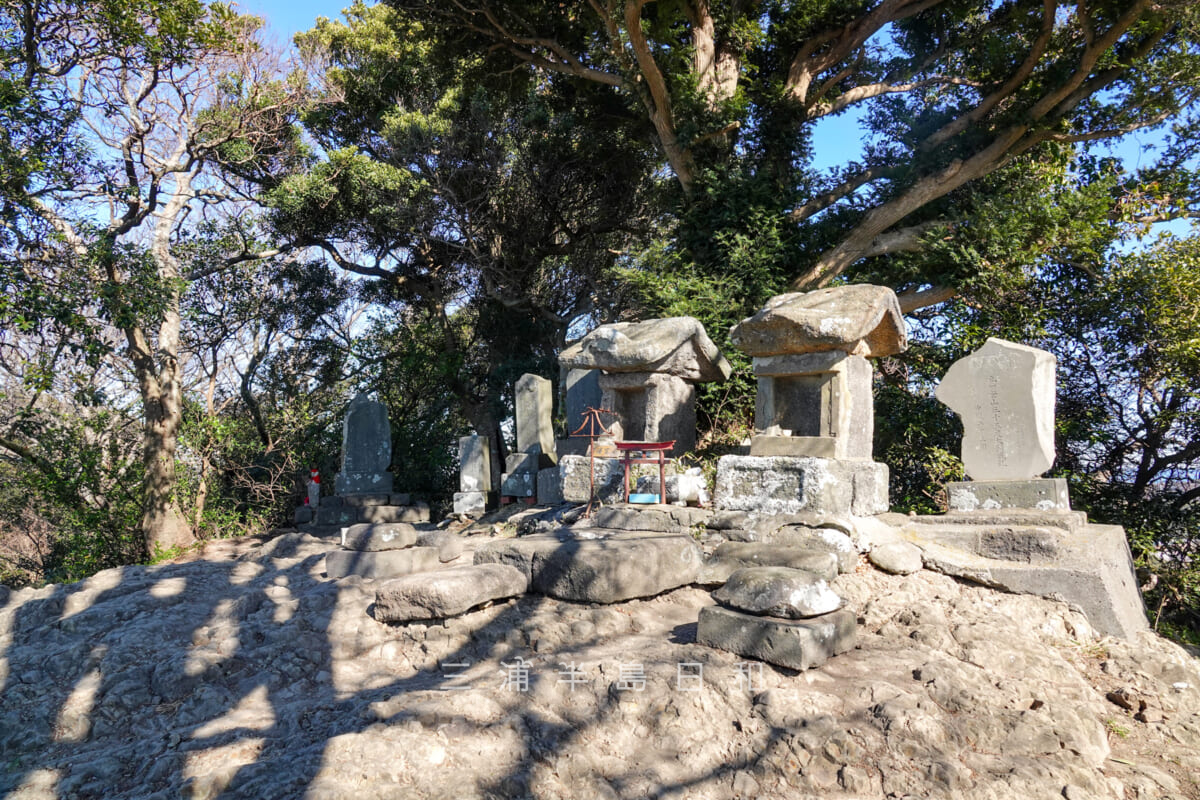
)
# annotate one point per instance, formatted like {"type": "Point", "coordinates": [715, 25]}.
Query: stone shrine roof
{"type": "Point", "coordinates": [675, 346]}
{"type": "Point", "coordinates": [860, 319]}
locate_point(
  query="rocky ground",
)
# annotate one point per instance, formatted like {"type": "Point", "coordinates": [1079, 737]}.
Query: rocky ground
{"type": "Point", "coordinates": [246, 673]}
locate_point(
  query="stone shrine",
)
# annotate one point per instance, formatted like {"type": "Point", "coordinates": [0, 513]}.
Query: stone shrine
{"type": "Point", "coordinates": [648, 371]}
{"type": "Point", "coordinates": [366, 449]}
{"type": "Point", "coordinates": [814, 415]}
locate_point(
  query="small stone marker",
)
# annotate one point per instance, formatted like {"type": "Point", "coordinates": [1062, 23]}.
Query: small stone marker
{"type": "Point", "coordinates": [366, 449]}
{"type": "Point", "coordinates": [1004, 393]}
{"type": "Point", "coordinates": [475, 464]}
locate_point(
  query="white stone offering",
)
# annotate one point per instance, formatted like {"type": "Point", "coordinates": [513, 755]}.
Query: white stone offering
{"type": "Point", "coordinates": [1004, 393]}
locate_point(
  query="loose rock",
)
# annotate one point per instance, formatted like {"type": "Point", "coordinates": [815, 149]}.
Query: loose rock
{"type": "Point", "coordinates": [778, 592]}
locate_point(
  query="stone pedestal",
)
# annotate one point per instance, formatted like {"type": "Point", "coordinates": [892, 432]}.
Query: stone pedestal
{"type": "Point", "coordinates": [779, 485]}
{"type": "Point", "coordinates": [1041, 494]}
{"type": "Point", "coordinates": [575, 472]}
{"type": "Point", "coordinates": [651, 407]}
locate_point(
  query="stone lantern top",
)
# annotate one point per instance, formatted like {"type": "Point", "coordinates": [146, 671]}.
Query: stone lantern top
{"type": "Point", "coordinates": [860, 319]}
{"type": "Point", "coordinates": [675, 346]}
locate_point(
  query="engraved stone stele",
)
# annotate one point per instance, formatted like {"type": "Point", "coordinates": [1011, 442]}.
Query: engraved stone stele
{"type": "Point", "coordinates": [647, 376]}
{"type": "Point", "coordinates": [1004, 393]}
{"type": "Point", "coordinates": [475, 464]}
{"type": "Point", "coordinates": [366, 449]}
{"type": "Point", "coordinates": [535, 433]}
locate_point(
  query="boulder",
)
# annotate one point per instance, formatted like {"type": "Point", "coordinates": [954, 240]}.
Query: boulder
{"type": "Point", "coordinates": [778, 592]}
{"type": "Point", "coordinates": [379, 536]}
{"type": "Point", "coordinates": [862, 320]}
{"type": "Point", "coordinates": [448, 544]}
{"type": "Point", "coordinates": [826, 540]}
{"type": "Point", "coordinates": [614, 568]}
{"type": "Point", "coordinates": [898, 558]}
{"type": "Point", "coordinates": [796, 644]}
{"type": "Point", "coordinates": [676, 346]}
{"type": "Point", "coordinates": [446, 592]}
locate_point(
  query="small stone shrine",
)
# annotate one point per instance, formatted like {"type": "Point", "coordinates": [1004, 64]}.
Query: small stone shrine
{"type": "Point", "coordinates": [814, 415]}
{"type": "Point", "coordinates": [648, 375]}
{"type": "Point", "coordinates": [535, 438]}
{"type": "Point", "coordinates": [1004, 393]}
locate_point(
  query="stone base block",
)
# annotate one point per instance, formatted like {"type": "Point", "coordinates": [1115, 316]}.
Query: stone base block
{"type": "Point", "coordinates": [447, 592]}
{"type": "Point", "coordinates": [380, 563]}
{"type": "Point", "coordinates": [549, 486]}
{"type": "Point", "coordinates": [347, 483]}
{"type": "Point", "coordinates": [470, 503]}
{"type": "Point", "coordinates": [1042, 494]}
{"type": "Point", "coordinates": [399, 499]}
{"type": "Point", "coordinates": [418, 512]}
{"type": "Point", "coordinates": [363, 500]}
{"type": "Point", "coordinates": [729, 557]}
{"type": "Point", "coordinates": [303, 515]}
{"type": "Point", "coordinates": [518, 484]}
{"type": "Point", "coordinates": [379, 536]}
{"type": "Point", "coordinates": [336, 515]}
{"type": "Point", "coordinates": [793, 446]}
{"type": "Point", "coordinates": [779, 485]}
{"type": "Point", "coordinates": [575, 472]}
{"type": "Point", "coordinates": [796, 644]}
{"type": "Point", "coordinates": [1090, 567]}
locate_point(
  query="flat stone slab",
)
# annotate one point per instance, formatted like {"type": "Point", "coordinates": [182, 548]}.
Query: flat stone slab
{"type": "Point", "coordinates": [448, 544]}
{"type": "Point", "coordinates": [418, 512]}
{"type": "Point", "coordinates": [379, 536]}
{"type": "Point", "coordinates": [861, 319]}
{"type": "Point", "coordinates": [336, 514]}
{"type": "Point", "coordinates": [380, 563]}
{"type": "Point", "coordinates": [360, 500]}
{"type": "Point", "coordinates": [604, 569]}
{"type": "Point", "coordinates": [472, 503]}
{"type": "Point", "coordinates": [778, 592]}
{"type": "Point", "coordinates": [796, 644]}
{"type": "Point", "coordinates": [446, 592]}
{"type": "Point", "coordinates": [898, 558]}
{"type": "Point", "coordinates": [826, 540]}
{"type": "Point", "coordinates": [658, 518]}
{"type": "Point", "coordinates": [1090, 567]}
{"type": "Point", "coordinates": [1004, 393]}
{"type": "Point", "coordinates": [676, 346]}
{"type": "Point", "coordinates": [729, 557]}
{"type": "Point", "coordinates": [1042, 494]}
{"type": "Point", "coordinates": [779, 485]}
{"type": "Point", "coordinates": [549, 486]}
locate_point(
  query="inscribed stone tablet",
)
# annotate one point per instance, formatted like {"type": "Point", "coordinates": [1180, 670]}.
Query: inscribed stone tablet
{"type": "Point", "coordinates": [1004, 393]}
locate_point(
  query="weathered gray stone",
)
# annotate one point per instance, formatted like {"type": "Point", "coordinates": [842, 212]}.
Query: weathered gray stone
{"type": "Point", "coordinates": [1043, 494]}
{"type": "Point", "coordinates": [303, 515]}
{"type": "Point", "coordinates": [729, 557]}
{"type": "Point", "coordinates": [687, 489]}
{"type": "Point", "coordinates": [549, 486]}
{"type": "Point", "coordinates": [446, 592]}
{"type": "Point", "coordinates": [519, 552]}
{"type": "Point", "coordinates": [448, 544]}
{"type": "Point", "coordinates": [417, 512]}
{"type": "Point", "coordinates": [336, 515]}
{"type": "Point", "coordinates": [522, 462]}
{"type": "Point", "coordinates": [675, 346]}
{"type": "Point", "coordinates": [576, 479]}
{"type": "Point", "coordinates": [582, 392]}
{"type": "Point", "coordinates": [535, 431]}
{"type": "Point", "coordinates": [380, 563]}
{"type": "Point", "coordinates": [651, 407]}
{"type": "Point", "coordinates": [617, 567]}
{"type": "Point", "coordinates": [331, 501]}
{"type": "Point", "coordinates": [860, 319]}
{"type": "Point", "coordinates": [659, 519]}
{"type": "Point", "coordinates": [796, 644]}
{"type": "Point", "coordinates": [824, 408]}
{"type": "Point", "coordinates": [470, 503]}
{"type": "Point", "coordinates": [898, 558]}
{"type": "Point", "coordinates": [1090, 567]}
{"type": "Point", "coordinates": [366, 449]}
{"type": "Point", "coordinates": [399, 499]}
{"type": "Point", "coordinates": [362, 500]}
{"type": "Point", "coordinates": [778, 592]}
{"type": "Point", "coordinates": [792, 485]}
{"type": "Point", "coordinates": [1004, 393]}
{"type": "Point", "coordinates": [518, 484]}
{"type": "Point", "coordinates": [475, 464]}
{"type": "Point", "coordinates": [379, 536]}
{"type": "Point", "coordinates": [825, 540]}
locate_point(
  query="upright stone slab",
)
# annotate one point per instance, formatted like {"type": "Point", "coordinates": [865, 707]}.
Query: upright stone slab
{"type": "Point", "coordinates": [366, 449]}
{"type": "Point", "coordinates": [1004, 393]}
{"type": "Point", "coordinates": [535, 433]}
{"type": "Point", "coordinates": [582, 393]}
{"type": "Point", "coordinates": [475, 464]}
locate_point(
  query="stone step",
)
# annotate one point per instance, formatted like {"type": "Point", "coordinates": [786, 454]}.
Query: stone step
{"type": "Point", "coordinates": [797, 644]}
{"type": "Point", "coordinates": [446, 592]}
{"type": "Point", "coordinates": [380, 563]}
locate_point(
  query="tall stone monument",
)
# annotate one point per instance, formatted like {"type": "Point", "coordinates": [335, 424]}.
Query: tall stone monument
{"type": "Point", "coordinates": [366, 449]}
{"type": "Point", "coordinates": [1004, 393]}
{"type": "Point", "coordinates": [475, 475]}
{"type": "Point", "coordinates": [534, 396]}
{"type": "Point", "coordinates": [814, 415]}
